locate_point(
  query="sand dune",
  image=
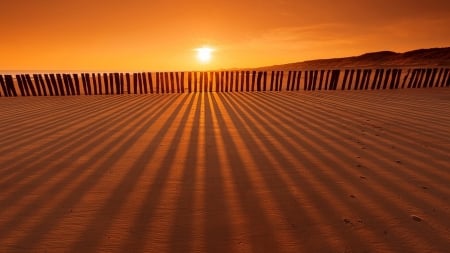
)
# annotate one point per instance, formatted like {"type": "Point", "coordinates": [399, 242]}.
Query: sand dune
{"type": "Point", "coordinates": [431, 57]}
{"type": "Point", "coordinates": [346, 171]}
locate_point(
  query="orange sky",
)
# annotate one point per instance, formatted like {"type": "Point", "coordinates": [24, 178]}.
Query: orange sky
{"type": "Point", "coordinates": [155, 35]}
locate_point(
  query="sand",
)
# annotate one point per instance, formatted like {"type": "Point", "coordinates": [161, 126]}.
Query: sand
{"type": "Point", "coordinates": [330, 171]}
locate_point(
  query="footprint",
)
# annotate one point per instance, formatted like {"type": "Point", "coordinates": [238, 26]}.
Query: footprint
{"type": "Point", "coordinates": [416, 218]}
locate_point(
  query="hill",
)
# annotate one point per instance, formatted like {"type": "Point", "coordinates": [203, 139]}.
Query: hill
{"type": "Point", "coordinates": [437, 57]}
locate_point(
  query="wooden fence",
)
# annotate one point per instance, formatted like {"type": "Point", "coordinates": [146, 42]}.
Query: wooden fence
{"type": "Point", "coordinates": [220, 81]}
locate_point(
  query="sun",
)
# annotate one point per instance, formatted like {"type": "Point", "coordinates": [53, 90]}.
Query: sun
{"type": "Point", "coordinates": [204, 54]}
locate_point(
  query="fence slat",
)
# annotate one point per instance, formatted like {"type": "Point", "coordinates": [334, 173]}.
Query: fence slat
{"type": "Point", "coordinates": [21, 86]}
{"type": "Point", "coordinates": [3, 85]}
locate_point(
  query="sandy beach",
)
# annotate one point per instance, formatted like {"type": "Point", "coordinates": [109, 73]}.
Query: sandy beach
{"type": "Point", "coordinates": [324, 171]}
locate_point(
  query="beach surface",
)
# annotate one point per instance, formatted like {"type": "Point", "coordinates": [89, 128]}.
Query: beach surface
{"type": "Point", "coordinates": [325, 171]}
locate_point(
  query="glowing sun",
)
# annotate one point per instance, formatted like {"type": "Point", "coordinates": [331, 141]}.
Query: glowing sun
{"type": "Point", "coordinates": [204, 54]}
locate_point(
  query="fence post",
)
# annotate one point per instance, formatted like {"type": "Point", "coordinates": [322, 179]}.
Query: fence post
{"type": "Point", "coordinates": [367, 81]}
{"type": "Point", "coordinates": [258, 81]}
{"type": "Point", "coordinates": [60, 84]}
{"type": "Point", "coordinates": [322, 72]}
{"type": "Point", "coordinates": [227, 80]}
{"type": "Point", "coordinates": [106, 83]}
{"type": "Point", "coordinates": [20, 83]}
{"type": "Point", "coordinates": [117, 81]}
{"type": "Point", "coordinates": [363, 79]}
{"type": "Point", "coordinates": [182, 81]}
{"type": "Point", "coordinates": [206, 81]}
{"type": "Point", "coordinates": [201, 78]}
{"type": "Point", "coordinates": [71, 85]}
{"type": "Point", "coordinates": [217, 77]}
{"type": "Point", "coordinates": [54, 84]}
{"type": "Point", "coordinates": [135, 83]}
{"type": "Point", "coordinates": [306, 81]}
{"type": "Point", "coordinates": [236, 82]}
{"type": "Point", "coordinates": [386, 78]}
{"type": "Point", "coordinates": [311, 80]}
{"type": "Point", "coordinates": [177, 79]}
{"type": "Point", "coordinates": [37, 85]}
{"type": "Point", "coordinates": [335, 78]}
{"type": "Point", "coordinates": [375, 79]}
{"type": "Point", "coordinates": [162, 81]}
{"type": "Point", "coordinates": [10, 85]}
{"type": "Point", "coordinates": [380, 79]}
{"type": "Point", "coordinates": [313, 77]}
{"type": "Point", "coordinates": [406, 78]}
{"type": "Point", "coordinates": [88, 81]}
{"type": "Point", "coordinates": [265, 81]}
{"type": "Point", "coordinates": [397, 82]}
{"type": "Point", "coordinates": [412, 80]}
{"type": "Point", "coordinates": [277, 78]}
{"type": "Point", "coordinates": [76, 84]}
{"type": "Point", "coordinates": [448, 80]}
{"type": "Point", "coordinates": [299, 78]}
{"type": "Point", "coordinates": [393, 78]}
{"type": "Point", "coordinates": [427, 75]}
{"type": "Point", "coordinates": [357, 79]}
{"type": "Point", "coordinates": [48, 84]}
{"type": "Point", "coordinates": [272, 77]}
{"type": "Point", "coordinates": [166, 81]}
{"type": "Point", "coordinates": [172, 82]}
{"type": "Point", "coordinates": [141, 84]}
{"type": "Point", "coordinates": [344, 82]}
{"type": "Point", "coordinates": [289, 80]}
{"type": "Point", "coordinates": [433, 78]}
{"type": "Point", "coordinates": [369, 75]}
{"type": "Point", "coordinates": [189, 82]}
{"type": "Point", "coordinates": [222, 80]}
{"type": "Point", "coordinates": [30, 84]}
{"type": "Point", "coordinates": [150, 82]}
{"type": "Point", "coordinates": [111, 83]}
{"type": "Point", "coordinates": [418, 77]}
{"type": "Point", "coordinates": [195, 80]}
{"type": "Point", "coordinates": [247, 80]}
{"type": "Point", "coordinates": [441, 71]}
{"type": "Point", "coordinates": [316, 73]}
{"type": "Point", "coordinates": [281, 80]}
{"type": "Point", "coordinates": [445, 78]}
{"type": "Point", "coordinates": [422, 76]}
{"type": "Point", "coordinates": [128, 80]}
{"type": "Point", "coordinates": [293, 80]}
{"type": "Point", "coordinates": [66, 84]}
{"type": "Point", "coordinates": [122, 83]}
{"type": "Point", "coordinates": [242, 80]}
{"type": "Point", "coordinates": [253, 74]}
{"type": "Point", "coordinates": [231, 81]}
{"type": "Point", "coordinates": [157, 82]}
{"type": "Point", "coordinates": [5, 90]}
{"type": "Point", "coordinates": [99, 83]}
{"type": "Point", "coordinates": [43, 84]}
{"type": "Point", "coordinates": [144, 82]}
{"type": "Point", "coordinates": [94, 83]}
{"type": "Point", "coordinates": [83, 79]}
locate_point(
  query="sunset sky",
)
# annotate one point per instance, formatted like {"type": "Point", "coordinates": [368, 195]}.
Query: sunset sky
{"type": "Point", "coordinates": [156, 35]}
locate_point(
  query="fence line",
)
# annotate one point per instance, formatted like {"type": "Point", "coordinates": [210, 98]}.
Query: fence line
{"type": "Point", "coordinates": [220, 81]}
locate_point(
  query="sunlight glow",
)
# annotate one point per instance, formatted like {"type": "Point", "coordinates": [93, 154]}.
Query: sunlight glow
{"type": "Point", "coordinates": [204, 54]}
